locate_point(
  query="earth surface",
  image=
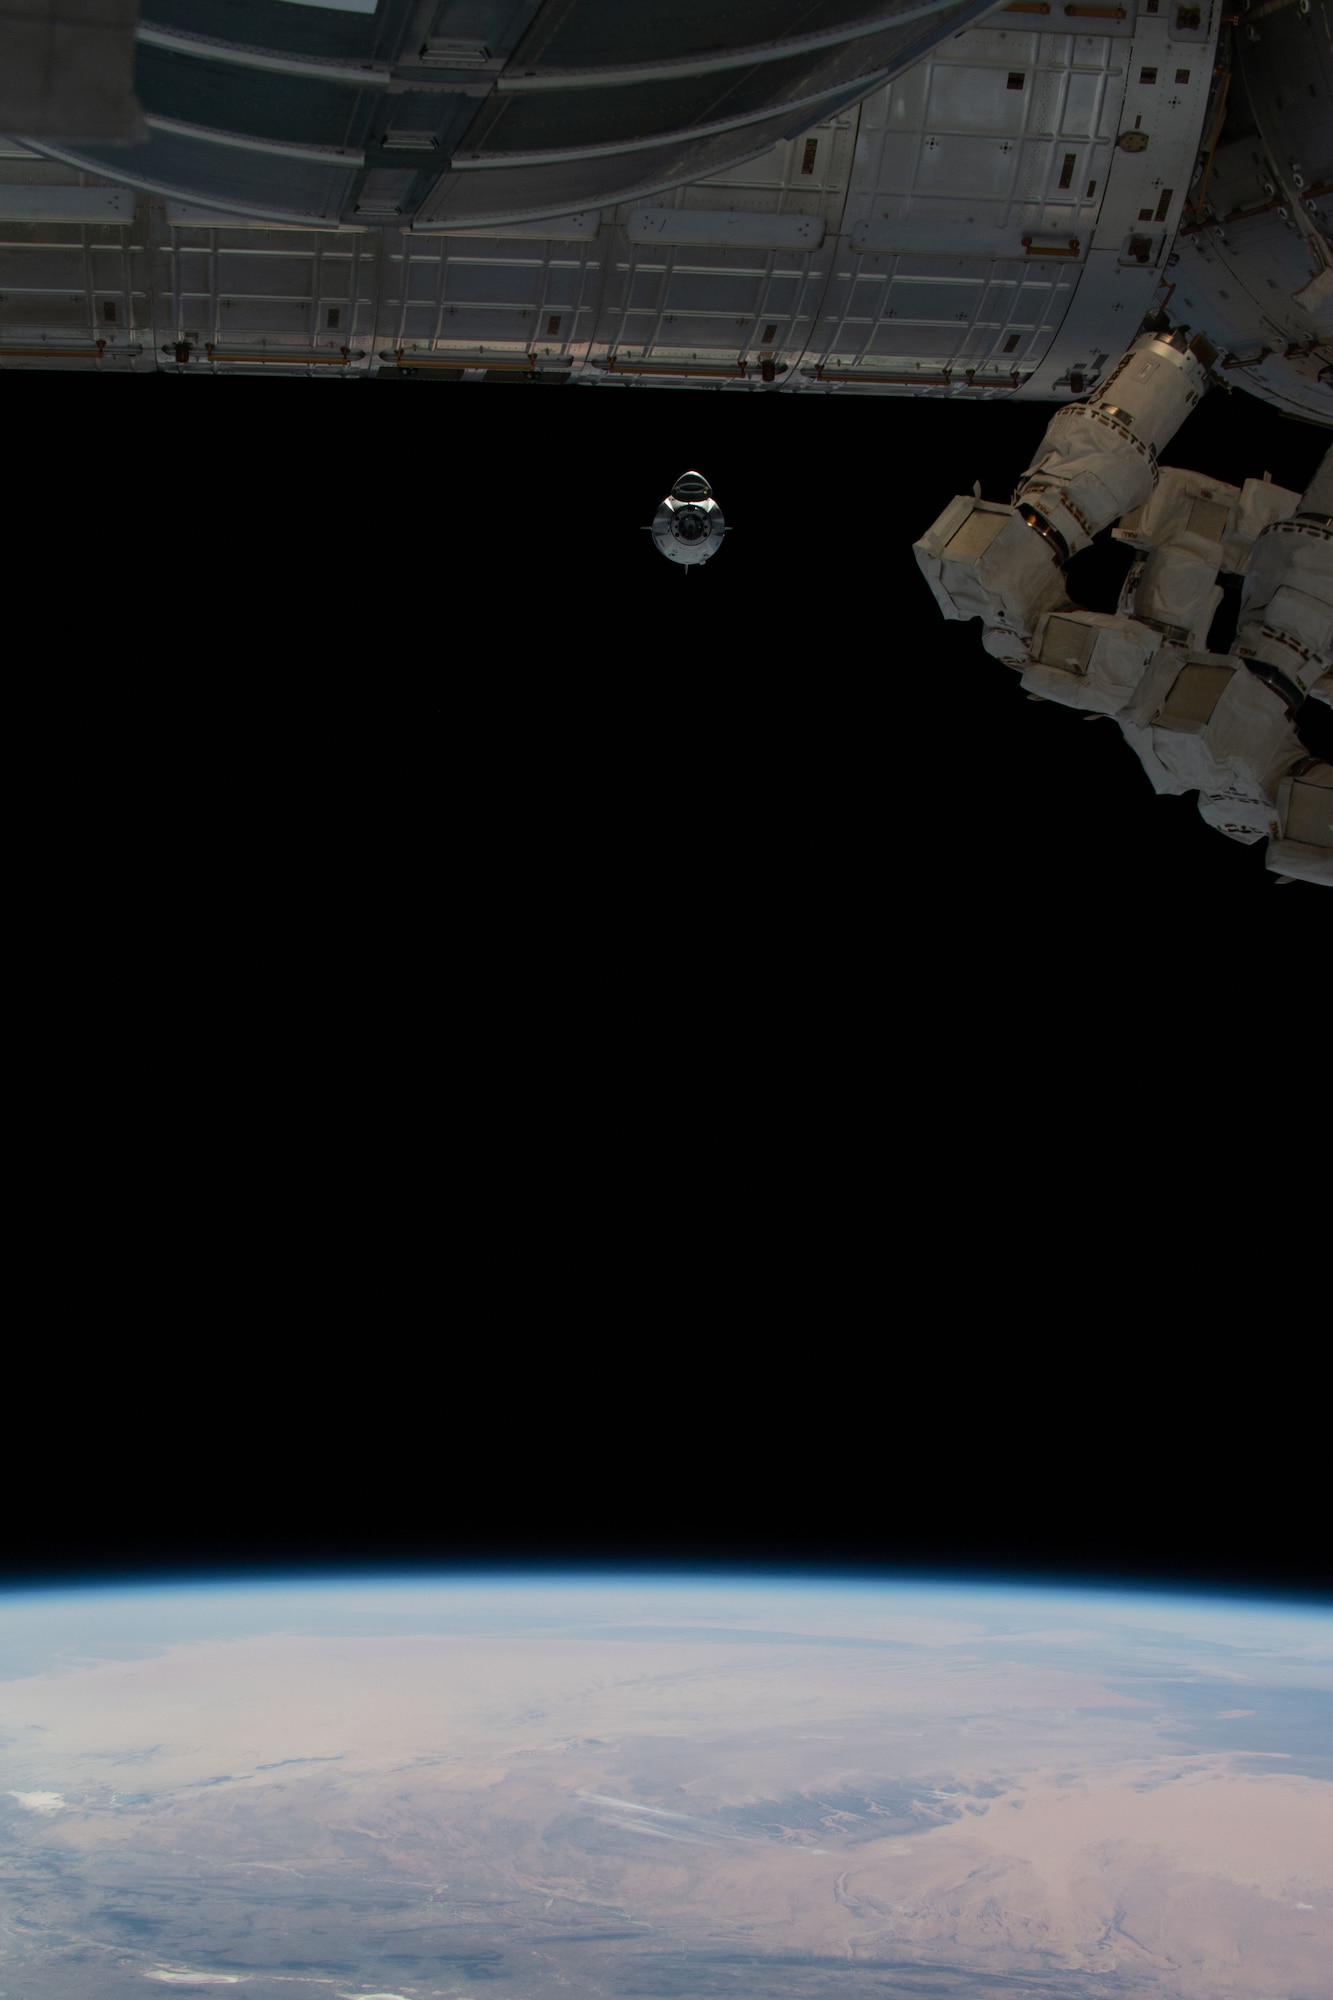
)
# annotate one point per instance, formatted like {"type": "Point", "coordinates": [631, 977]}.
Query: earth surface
{"type": "Point", "coordinates": [758, 1789]}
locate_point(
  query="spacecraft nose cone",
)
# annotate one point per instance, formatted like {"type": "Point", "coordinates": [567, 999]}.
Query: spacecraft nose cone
{"type": "Point", "coordinates": [691, 486]}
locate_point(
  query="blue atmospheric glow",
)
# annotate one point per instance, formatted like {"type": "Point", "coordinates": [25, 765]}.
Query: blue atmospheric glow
{"type": "Point", "coordinates": [42, 1628]}
{"type": "Point", "coordinates": [496, 1576]}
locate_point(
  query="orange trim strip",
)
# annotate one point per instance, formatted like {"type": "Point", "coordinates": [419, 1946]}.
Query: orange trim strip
{"type": "Point", "coordinates": [61, 353]}
{"type": "Point", "coordinates": [1197, 203]}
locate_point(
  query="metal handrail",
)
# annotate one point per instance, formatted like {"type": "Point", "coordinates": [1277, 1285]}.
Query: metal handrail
{"type": "Point", "coordinates": [614, 76]}
{"type": "Point", "coordinates": [247, 142]}
{"type": "Point", "coordinates": [341, 359]}
{"type": "Point", "coordinates": [359, 75]}
{"type": "Point", "coordinates": [731, 372]}
{"type": "Point", "coordinates": [971, 378]}
{"type": "Point", "coordinates": [612, 150]}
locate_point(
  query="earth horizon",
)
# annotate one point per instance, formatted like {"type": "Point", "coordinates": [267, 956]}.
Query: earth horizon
{"type": "Point", "coordinates": [764, 1787]}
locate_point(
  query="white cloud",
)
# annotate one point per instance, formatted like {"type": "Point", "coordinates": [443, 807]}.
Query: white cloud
{"type": "Point", "coordinates": [624, 1805]}
{"type": "Point", "coordinates": [196, 1978]}
{"type": "Point", "coordinates": [42, 1802]}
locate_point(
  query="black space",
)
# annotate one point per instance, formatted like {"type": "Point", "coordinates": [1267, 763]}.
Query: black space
{"type": "Point", "coordinates": [540, 1058]}
{"type": "Point", "coordinates": [583, 1416]}
{"type": "Point", "coordinates": [461, 569]}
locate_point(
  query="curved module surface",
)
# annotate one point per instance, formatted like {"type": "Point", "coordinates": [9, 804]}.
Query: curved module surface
{"type": "Point", "coordinates": [465, 113]}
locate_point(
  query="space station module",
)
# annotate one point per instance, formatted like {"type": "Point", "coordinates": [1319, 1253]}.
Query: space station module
{"type": "Point", "coordinates": [1221, 724]}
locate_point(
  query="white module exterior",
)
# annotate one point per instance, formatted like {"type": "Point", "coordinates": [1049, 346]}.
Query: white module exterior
{"type": "Point", "coordinates": [994, 222]}
{"type": "Point", "coordinates": [1220, 725]}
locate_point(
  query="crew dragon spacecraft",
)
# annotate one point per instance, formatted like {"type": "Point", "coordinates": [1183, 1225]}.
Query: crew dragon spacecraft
{"type": "Point", "coordinates": [688, 526]}
{"type": "Point", "coordinates": [1107, 205]}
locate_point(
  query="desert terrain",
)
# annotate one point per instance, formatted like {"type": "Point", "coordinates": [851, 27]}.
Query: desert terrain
{"type": "Point", "coordinates": [686, 1816]}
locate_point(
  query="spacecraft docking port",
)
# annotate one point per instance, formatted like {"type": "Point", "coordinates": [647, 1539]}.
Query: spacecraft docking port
{"type": "Point", "coordinates": [688, 526]}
